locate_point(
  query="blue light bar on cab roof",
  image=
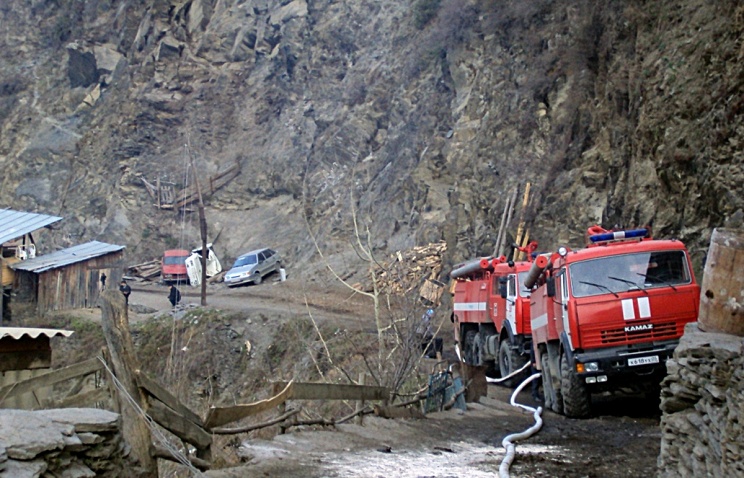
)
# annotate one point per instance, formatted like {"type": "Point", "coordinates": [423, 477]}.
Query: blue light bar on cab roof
{"type": "Point", "coordinates": [616, 235]}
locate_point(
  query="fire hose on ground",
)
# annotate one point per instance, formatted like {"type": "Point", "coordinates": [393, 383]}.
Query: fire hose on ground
{"type": "Point", "coordinates": [507, 442]}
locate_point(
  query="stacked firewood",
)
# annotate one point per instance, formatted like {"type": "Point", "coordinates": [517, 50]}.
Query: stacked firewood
{"type": "Point", "coordinates": [149, 270]}
{"type": "Point", "coordinates": [416, 268]}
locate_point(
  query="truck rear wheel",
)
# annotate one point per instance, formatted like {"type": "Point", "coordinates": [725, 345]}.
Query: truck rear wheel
{"type": "Point", "coordinates": [509, 361]}
{"type": "Point", "coordinates": [469, 352]}
{"type": "Point", "coordinates": [576, 397]}
{"type": "Point", "coordinates": [553, 397]}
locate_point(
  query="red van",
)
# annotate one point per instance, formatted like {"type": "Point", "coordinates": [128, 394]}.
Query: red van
{"type": "Point", "coordinates": [173, 266]}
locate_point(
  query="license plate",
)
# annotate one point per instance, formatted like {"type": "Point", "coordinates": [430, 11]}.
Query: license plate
{"type": "Point", "coordinates": [643, 360]}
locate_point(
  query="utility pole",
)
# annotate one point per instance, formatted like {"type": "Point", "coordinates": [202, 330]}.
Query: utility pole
{"type": "Point", "coordinates": [202, 230]}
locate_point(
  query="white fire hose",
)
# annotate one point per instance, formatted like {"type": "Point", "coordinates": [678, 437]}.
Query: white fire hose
{"type": "Point", "coordinates": [516, 372]}
{"type": "Point", "coordinates": [507, 441]}
{"type": "Point", "coordinates": [537, 412]}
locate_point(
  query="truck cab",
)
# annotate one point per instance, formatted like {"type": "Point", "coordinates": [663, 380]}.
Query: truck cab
{"type": "Point", "coordinates": [173, 266]}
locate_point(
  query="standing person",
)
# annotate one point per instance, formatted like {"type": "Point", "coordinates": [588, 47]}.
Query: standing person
{"type": "Point", "coordinates": [175, 296]}
{"type": "Point", "coordinates": [125, 289]}
{"type": "Point", "coordinates": [103, 281]}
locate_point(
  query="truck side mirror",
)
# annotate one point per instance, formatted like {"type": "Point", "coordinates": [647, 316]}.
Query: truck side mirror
{"type": "Point", "coordinates": [550, 285]}
{"type": "Point", "coordinates": [502, 287]}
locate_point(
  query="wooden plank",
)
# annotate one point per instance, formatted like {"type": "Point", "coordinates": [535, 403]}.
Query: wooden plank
{"type": "Point", "coordinates": [25, 360]}
{"type": "Point", "coordinates": [54, 376]}
{"type": "Point", "coordinates": [334, 391]}
{"type": "Point", "coordinates": [84, 399]}
{"type": "Point", "coordinates": [153, 388]}
{"type": "Point", "coordinates": [221, 416]}
{"type": "Point", "coordinates": [174, 422]}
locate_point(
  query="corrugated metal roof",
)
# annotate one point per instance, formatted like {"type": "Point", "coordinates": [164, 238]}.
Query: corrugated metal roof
{"type": "Point", "coordinates": [66, 257]}
{"type": "Point", "coordinates": [15, 224]}
{"type": "Point", "coordinates": [18, 332]}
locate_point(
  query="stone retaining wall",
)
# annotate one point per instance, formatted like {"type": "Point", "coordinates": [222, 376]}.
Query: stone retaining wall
{"type": "Point", "coordinates": [702, 401]}
{"type": "Point", "coordinates": [70, 443]}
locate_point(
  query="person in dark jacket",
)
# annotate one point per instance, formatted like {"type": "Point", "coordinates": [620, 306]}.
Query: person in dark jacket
{"type": "Point", "coordinates": [175, 296]}
{"type": "Point", "coordinates": [125, 289]}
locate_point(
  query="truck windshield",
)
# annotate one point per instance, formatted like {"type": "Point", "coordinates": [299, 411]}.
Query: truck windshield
{"type": "Point", "coordinates": [523, 291]}
{"type": "Point", "coordinates": [626, 272]}
{"type": "Point", "coordinates": [174, 260]}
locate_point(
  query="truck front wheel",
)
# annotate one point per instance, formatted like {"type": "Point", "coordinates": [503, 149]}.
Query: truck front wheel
{"type": "Point", "coordinates": [509, 361]}
{"type": "Point", "coordinates": [576, 397]}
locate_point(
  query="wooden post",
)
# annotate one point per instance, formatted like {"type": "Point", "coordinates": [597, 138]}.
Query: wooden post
{"type": "Point", "coordinates": [722, 292]}
{"type": "Point", "coordinates": [360, 403]}
{"type": "Point", "coordinates": [497, 247]}
{"type": "Point", "coordinates": [115, 324]}
{"type": "Point", "coordinates": [512, 203]}
{"type": "Point", "coordinates": [520, 228]}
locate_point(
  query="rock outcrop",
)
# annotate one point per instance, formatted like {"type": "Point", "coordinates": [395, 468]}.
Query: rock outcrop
{"type": "Point", "coordinates": [418, 117]}
{"type": "Point", "coordinates": [702, 409]}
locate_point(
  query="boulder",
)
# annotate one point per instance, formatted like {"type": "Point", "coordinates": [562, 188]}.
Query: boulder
{"type": "Point", "coordinates": [82, 69]}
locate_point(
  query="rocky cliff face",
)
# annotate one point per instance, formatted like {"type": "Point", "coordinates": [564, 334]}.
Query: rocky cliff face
{"type": "Point", "coordinates": [420, 116]}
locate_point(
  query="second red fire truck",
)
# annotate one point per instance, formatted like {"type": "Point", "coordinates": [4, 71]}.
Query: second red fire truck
{"type": "Point", "coordinates": [491, 312]}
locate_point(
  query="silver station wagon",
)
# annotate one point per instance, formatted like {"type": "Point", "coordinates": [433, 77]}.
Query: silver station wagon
{"type": "Point", "coordinates": [253, 267]}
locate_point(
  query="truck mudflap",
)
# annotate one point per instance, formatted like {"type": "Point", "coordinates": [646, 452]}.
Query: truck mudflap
{"type": "Point", "coordinates": [613, 367]}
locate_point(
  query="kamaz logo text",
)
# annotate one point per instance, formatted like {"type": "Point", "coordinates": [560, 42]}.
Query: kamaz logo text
{"type": "Point", "coordinates": [638, 328]}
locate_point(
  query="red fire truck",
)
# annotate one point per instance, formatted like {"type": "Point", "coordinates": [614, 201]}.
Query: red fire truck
{"type": "Point", "coordinates": [491, 312]}
{"type": "Point", "coordinates": [607, 317]}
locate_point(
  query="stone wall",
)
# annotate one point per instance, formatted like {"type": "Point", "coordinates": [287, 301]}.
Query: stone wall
{"type": "Point", "coordinates": [701, 401]}
{"type": "Point", "coordinates": [70, 443]}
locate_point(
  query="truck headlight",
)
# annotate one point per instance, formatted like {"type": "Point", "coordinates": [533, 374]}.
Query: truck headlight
{"type": "Point", "coordinates": [591, 366]}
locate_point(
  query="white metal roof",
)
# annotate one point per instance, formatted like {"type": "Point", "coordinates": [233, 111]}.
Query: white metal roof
{"type": "Point", "coordinates": [72, 255]}
{"type": "Point", "coordinates": [18, 332]}
{"type": "Point", "coordinates": [15, 224]}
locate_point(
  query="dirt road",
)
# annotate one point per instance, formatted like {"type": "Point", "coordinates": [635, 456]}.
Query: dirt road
{"type": "Point", "coordinates": [293, 297]}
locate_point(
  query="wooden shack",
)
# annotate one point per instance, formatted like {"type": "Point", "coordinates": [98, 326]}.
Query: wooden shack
{"type": "Point", "coordinates": [26, 353]}
{"type": "Point", "coordinates": [17, 229]}
{"type": "Point", "coordinates": [69, 278]}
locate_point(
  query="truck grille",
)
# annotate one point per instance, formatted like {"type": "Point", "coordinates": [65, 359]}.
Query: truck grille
{"type": "Point", "coordinates": [663, 331]}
